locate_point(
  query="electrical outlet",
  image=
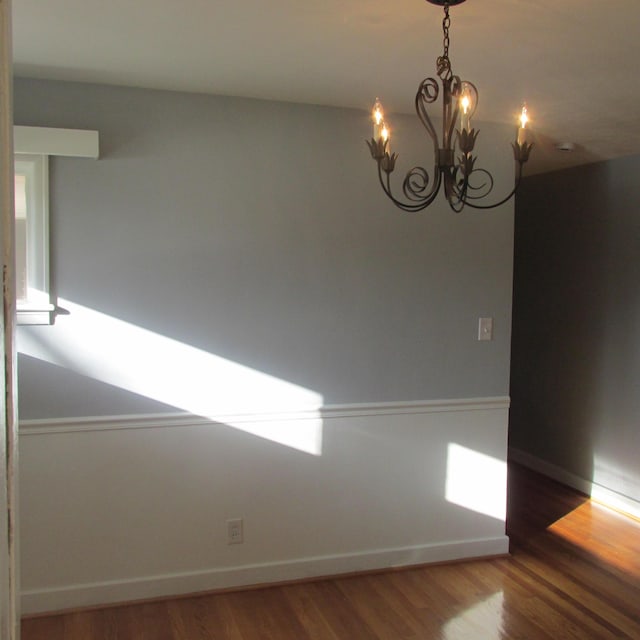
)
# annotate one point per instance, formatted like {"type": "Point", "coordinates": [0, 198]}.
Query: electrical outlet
{"type": "Point", "coordinates": [235, 534]}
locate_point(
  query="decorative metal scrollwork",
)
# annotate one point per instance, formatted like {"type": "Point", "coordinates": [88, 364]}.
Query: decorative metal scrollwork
{"type": "Point", "coordinates": [454, 162]}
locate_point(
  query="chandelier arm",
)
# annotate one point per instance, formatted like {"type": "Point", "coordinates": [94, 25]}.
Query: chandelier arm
{"type": "Point", "coordinates": [456, 206]}
{"type": "Point", "coordinates": [485, 188]}
{"type": "Point", "coordinates": [415, 183]}
{"type": "Point", "coordinates": [427, 93]}
{"type": "Point", "coordinates": [452, 89]}
{"type": "Point", "coordinates": [386, 187]}
{"type": "Point", "coordinates": [456, 191]}
{"type": "Point", "coordinates": [505, 199]}
{"type": "Point", "coordinates": [419, 205]}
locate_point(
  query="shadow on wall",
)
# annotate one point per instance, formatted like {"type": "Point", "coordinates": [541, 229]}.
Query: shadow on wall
{"type": "Point", "coordinates": [575, 361]}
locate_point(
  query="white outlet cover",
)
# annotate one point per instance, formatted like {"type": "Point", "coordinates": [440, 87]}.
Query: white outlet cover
{"type": "Point", "coordinates": [235, 534]}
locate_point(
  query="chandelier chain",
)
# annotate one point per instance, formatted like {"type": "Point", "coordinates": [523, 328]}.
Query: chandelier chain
{"type": "Point", "coordinates": [446, 23]}
{"type": "Point", "coordinates": [443, 63]}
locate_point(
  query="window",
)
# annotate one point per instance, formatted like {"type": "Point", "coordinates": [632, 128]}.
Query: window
{"type": "Point", "coordinates": [32, 239]}
{"type": "Point", "coordinates": [33, 146]}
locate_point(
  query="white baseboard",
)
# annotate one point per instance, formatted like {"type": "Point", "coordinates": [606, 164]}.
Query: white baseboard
{"type": "Point", "coordinates": [550, 470]}
{"type": "Point", "coordinates": [597, 492]}
{"type": "Point", "coordinates": [109, 592]}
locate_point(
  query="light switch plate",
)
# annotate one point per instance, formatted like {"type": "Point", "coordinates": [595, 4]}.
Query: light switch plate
{"type": "Point", "coordinates": [485, 328]}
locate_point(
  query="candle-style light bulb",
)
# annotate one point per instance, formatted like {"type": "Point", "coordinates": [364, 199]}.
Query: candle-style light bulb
{"type": "Point", "coordinates": [385, 134]}
{"type": "Point", "coordinates": [466, 107]}
{"type": "Point", "coordinates": [465, 104]}
{"type": "Point", "coordinates": [378, 119]}
{"type": "Point", "coordinates": [522, 129]}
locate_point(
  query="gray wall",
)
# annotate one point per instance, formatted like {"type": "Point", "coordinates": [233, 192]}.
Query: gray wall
{"type": "Point", "coordinates": [257, 231]}
{"type": "Point", "coordinates": [576, 325]}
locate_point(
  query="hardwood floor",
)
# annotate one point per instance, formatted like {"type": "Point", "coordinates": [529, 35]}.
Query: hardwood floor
{"type": "Point", "coordinates": [573, 572]}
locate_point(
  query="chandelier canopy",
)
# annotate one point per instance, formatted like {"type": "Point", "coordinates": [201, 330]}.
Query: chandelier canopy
{"type": "Point", "coordinates": [454, 166]}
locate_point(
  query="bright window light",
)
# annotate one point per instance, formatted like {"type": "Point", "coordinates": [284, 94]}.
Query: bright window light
{"type": "Point", "coordinates": [99, 346]}
{"type": "Point", "coordinates": [32, 239]}
{"type": "Point", "coordinates": [597, 542]}
{"type": "Point", "coordinates": [609, 473]}
{"type": "Point", "coordinates": [476, 481]}
{"type": "Point", "coordinates": [481, 620]}
{"type": "Point", "coordinates": [32, 147]}
{"type": "Point", "coordinates": [21, 235]}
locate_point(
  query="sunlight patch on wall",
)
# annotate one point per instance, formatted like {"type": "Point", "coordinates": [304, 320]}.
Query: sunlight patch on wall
{"type": "Point", "coordinates": [616, 485]}
{"type": "Point", "coordinates": [118, 353]}
{"type": "Point", "coordinates": [476, 481]}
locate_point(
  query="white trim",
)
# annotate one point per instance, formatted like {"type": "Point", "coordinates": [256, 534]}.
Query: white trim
{"type": "Point", "coordinates": [9, 502]}
{"type": "Point", "coordinates": [32, 148]}
{"type": "Point", "coordinates": [273, 565]}
{"type": "Point", "coordinates": [181, 419]}
{"type": "Point", "coordinates": [37, 307]}
{"type": "Point", "coordinates": [597, 492]}
{"type": "Point", "coordinates": [550, 470]}
{"type": "Point", "coordinates": [41, 314]}
{"type": "Point", "coordinates": [82, 595]}
{"type": "Point", "coordinates": [77, 143]}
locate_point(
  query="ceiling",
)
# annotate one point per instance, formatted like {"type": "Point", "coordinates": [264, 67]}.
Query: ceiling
{"type": "Point", "coordinates": [575, 62]}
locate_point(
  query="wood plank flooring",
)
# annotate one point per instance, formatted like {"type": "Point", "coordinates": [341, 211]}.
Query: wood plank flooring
{"type": "Point", "coordinates": [573, 572]}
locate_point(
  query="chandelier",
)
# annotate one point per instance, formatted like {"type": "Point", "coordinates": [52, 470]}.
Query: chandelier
{"type": "Point", "coordinates": [454, 168]}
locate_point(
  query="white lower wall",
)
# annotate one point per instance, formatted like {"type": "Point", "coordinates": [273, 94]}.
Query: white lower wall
{"type": "Point", "coordinates": [122, 508]}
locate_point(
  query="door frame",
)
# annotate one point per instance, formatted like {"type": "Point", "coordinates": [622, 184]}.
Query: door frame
{"type": "Point", "coordinates": [9, 574]}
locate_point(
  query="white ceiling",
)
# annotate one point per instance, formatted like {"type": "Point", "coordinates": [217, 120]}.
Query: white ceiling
{"type": "Point", "coordinates": [575, 62]}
